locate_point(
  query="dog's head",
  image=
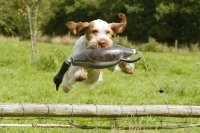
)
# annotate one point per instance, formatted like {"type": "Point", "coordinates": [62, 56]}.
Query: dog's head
{"type": "Point", "coordinates": [98, 32]}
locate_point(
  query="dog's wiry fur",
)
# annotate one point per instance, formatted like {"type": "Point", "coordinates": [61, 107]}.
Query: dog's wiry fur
{"type": "Point", "coordinates": [97, 34]}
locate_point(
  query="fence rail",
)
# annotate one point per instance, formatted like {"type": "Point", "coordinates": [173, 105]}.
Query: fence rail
{"type": "Point", "coordinates": [102, 127]}
{"type": "Point", "coordinates": [93, 110]}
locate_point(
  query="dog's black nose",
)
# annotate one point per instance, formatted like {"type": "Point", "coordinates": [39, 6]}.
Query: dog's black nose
{"type": "Point", "coordinates": [102, 43]}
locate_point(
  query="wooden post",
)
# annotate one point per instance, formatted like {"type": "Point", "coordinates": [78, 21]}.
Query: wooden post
{"type": "Point", "coordinates": [176, 44]}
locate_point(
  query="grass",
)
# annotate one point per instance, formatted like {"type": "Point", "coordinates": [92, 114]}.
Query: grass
{"type": "Point", "coordinates": [22, 81]}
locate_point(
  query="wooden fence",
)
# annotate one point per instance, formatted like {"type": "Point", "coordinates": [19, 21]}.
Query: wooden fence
{"type": "Point", "coordinates": [93, 110]}
{"type": "Point", "coordinates": [99, 111]}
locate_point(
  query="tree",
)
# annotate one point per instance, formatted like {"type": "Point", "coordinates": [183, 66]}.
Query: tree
{"type": "Point", "coordinates": [25, 18]}
{"type": "Point", "coordinates": [164, 20]}
{"type": "Point", "coordinates": [140, 19]}
{"type": "Point", "coordinates": [177, 20]}
{"type": "Point", "coordinates": [57, 24]}
{"type": "Point", "coordinates": [32, 12]}
{"type": "Point", "coordinates": [36, 14]}
{"type": "Point", "coordinates": [8, 25]}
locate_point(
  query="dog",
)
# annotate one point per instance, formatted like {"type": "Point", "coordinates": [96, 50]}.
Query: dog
{"type": "Point", "coordinates": [97, 34]}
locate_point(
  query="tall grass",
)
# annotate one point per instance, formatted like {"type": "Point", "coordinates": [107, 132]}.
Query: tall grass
{"type": "Point", "coordinates": [66, 39]}
{"type": "Point", "coordinates": [22, 81]}
{"type": "Point", "coordinates": [14, 38]}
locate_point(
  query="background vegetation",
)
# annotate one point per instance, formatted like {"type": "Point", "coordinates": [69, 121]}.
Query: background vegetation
{"type": "Point", "coordinates": [164, 20]}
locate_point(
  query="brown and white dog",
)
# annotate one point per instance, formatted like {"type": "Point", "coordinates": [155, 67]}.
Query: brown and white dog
{"type": "Point", "coordinates": [97, 34]}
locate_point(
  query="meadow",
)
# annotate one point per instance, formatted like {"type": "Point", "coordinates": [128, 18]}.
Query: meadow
{"type": "Point", "coordinates": [25, 81]}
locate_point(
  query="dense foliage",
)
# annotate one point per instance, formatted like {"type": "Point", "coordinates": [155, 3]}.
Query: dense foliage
{"type": "Point", "coordinates": [164, 20]}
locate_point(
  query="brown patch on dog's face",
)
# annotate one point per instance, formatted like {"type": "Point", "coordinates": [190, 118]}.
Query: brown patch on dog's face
{"type": "Point", "coordinates": [90, 31]}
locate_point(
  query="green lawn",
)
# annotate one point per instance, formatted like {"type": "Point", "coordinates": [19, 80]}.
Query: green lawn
{"type": "Point", "coordinates": [22, 81]}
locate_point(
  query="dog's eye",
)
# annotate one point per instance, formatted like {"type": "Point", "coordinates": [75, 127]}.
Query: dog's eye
{"type": "Point", "coordinates": [107, 32]}
{"type": "Point", "coordinates": [95, 32]}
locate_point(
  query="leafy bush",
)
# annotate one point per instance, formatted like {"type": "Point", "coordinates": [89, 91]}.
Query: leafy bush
{"type": "Point", "coordinates": [154, 46]}
{"type": "Point", "coordinates": [46, 63]}
{"type": "Point", "coordinates": [50, 62]}
{"type": "Point", "coordinates": [122, 41]}
{"type": "Point", "coordinates": [195, 47]}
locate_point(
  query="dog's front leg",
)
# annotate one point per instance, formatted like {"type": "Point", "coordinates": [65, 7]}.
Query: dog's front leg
{"type": "Point", "coordinates": [73, 75]}
{"type": "Point", "coordinates": [127, 68]}
{"type": "Point", "coordinates": [81, 74]}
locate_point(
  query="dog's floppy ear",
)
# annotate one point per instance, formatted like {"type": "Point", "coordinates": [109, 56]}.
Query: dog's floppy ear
{"type": "Point", "coordinates": [119, 27]}
{"type": "Point", "coordinates": [77, 27]}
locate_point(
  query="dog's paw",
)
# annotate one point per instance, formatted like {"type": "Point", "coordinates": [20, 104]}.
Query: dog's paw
{"type": "Point", "coordinates": [66, 88]}
{"type": "Point", "coordinates": [127, 68]}
{"type": "Point", "coordinates": [80, 75]}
